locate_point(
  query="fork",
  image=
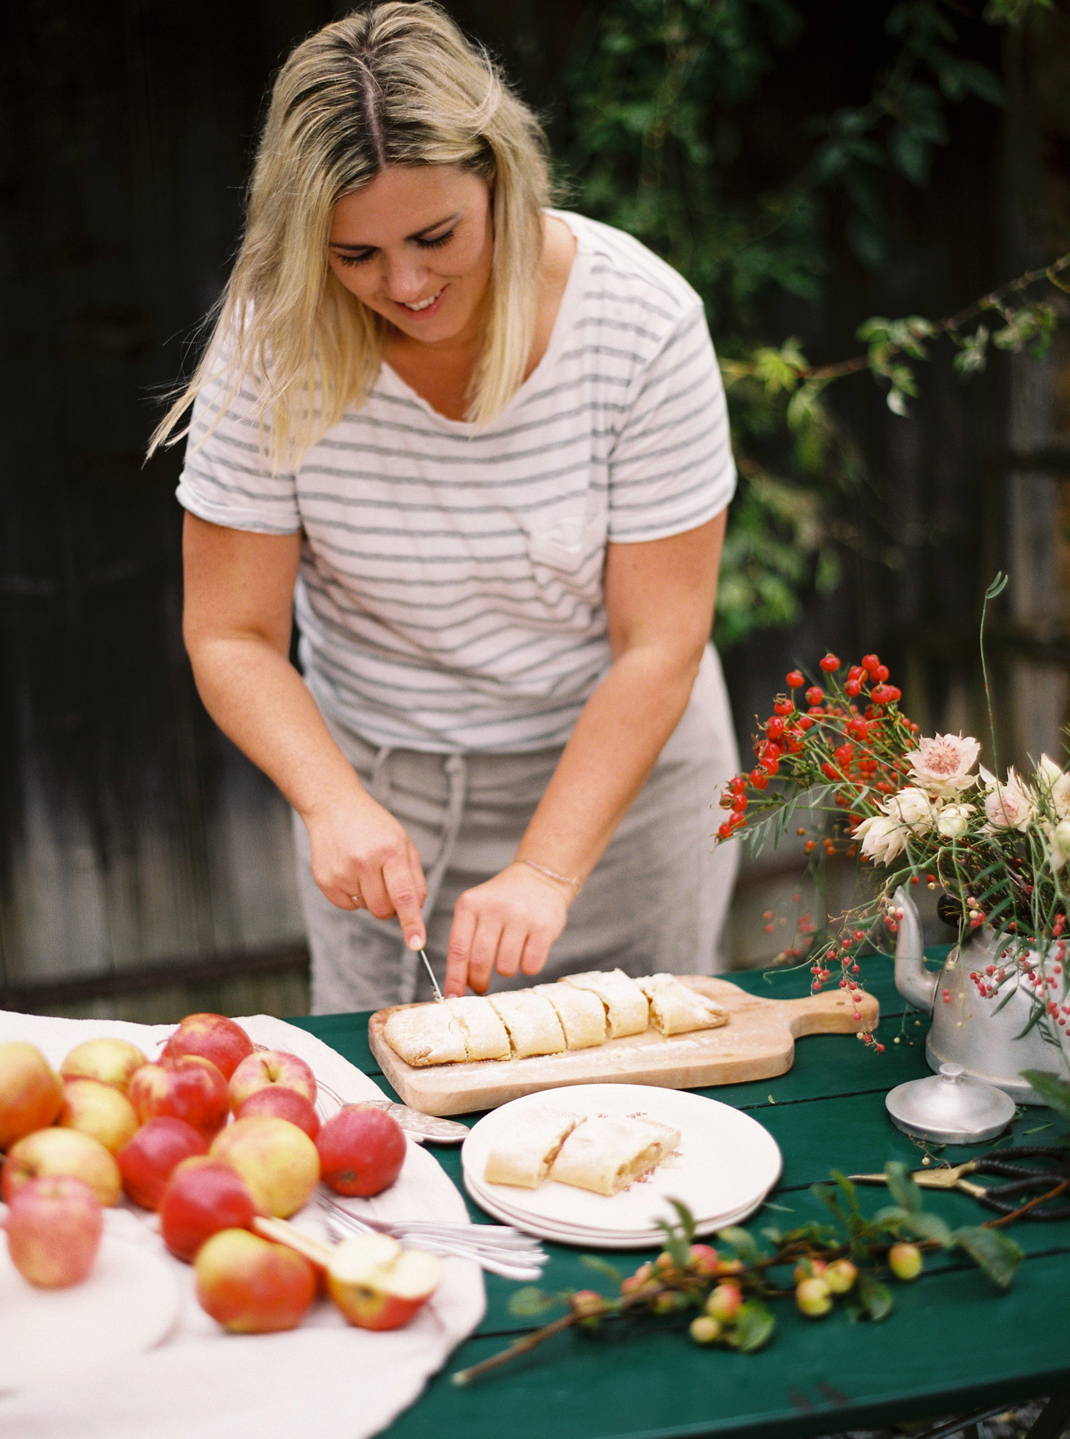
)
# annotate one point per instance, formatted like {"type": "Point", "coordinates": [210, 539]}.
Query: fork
{"type": "Point", "coordinates": [508, 1262]}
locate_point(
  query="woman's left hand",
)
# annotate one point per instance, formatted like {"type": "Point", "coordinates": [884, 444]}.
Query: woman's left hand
{"type": "Point", "coordinates": [507, 923]}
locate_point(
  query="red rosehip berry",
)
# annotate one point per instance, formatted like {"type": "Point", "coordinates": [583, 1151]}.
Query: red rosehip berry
{"type": "Point", "coordinates": [814, 695]}
{"type": "Point", "coordinates": [758, 778]}
{"type": "Point", "coordinates": [853, 688]}
{"type": "Point", "coordinates": [724, 831]}
{"type": "Point", "coordinates": [783, 707]}
{"type": "Point", "coordinates": [774, 727]}
{"type": "Point", "coordinates": [871, 663]}
{"type": "Point", "coordinates": [881, 673]}
{"type": "Point", "coordinates": [829, 664]}
{"type": "Point", "coordinates": [795, 680]}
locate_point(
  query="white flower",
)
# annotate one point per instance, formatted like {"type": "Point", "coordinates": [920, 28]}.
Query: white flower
{"type": "Point", "coordinates": [1054, 784]}
{"type": "Point", "coordinates": [942, 764]}
{"type": "Point", "coordinates": [912, 807]}
{"type": "Point", "coordinates": [882, 838]}
{"type": "Point", "coordinates": [1010, 805]}
{"type": "Point", "coordinates": [1058, 842]}
{"type": "Point", "coordinates": [954, 820]}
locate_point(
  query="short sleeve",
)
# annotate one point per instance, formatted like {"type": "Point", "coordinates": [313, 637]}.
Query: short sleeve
{"type": "Point", "coordinates": [225, 477]}
{"type": "Point", "coordinates": [671, 467]}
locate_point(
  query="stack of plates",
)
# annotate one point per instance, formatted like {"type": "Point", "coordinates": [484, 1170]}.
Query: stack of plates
{"type": "Point", "coordinates": [722, 1169]}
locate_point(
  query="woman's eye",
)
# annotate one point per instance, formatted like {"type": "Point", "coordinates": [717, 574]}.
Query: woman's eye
{"type": "Point", "coordinates": [356, 259]}
{"type": "Point", "coordinates": [436, 242]}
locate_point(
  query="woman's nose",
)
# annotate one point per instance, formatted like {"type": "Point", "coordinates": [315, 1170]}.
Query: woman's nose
{"type": "Point", "coordinates": [404, 279]}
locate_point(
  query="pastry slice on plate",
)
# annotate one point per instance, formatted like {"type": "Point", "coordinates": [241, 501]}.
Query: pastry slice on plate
{"type": "Point", "coordinates": [533, 1025]}
{"type": "Point", "coordinates": [676, 1008]}
{"type": "Point", "coordinates": [606, 1155]}
{"type": "Point", "coordinates": [581, 1012]}
{"type": "Point", "coordinates": [485, 1036]}
{"type": "Point", "coordinates": [627, 1011]}
{"type": "Point", "coordinates": [424, 1034]}
{"type": "Point", "coordinates": [524, 1153]}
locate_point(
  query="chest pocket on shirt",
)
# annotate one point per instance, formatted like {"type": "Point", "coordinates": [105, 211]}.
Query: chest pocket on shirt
{"type": "Point", "coordinates": [571, 553]}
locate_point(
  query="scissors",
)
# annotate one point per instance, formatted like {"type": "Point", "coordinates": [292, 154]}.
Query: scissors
{"type": "Point", "coordinates": [1004, 1198]}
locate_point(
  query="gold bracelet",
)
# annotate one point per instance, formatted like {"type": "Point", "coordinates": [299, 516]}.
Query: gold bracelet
{"type": "Point", "coordinates": [572, 882]}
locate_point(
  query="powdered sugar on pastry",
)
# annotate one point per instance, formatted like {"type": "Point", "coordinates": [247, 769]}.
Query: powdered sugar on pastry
{"type": "Point", "coordinates": [676, 1008]}
{"type": "Point", "coordinates": [425, 1034]}
{"type": "Point", "coordinates": [523, 1155]}
{"type": "Point", "coordinates": [533, 1026]}
{"type": "Point", "coordinates": [485, 1035]}
{"type": "Point", "coordinates": [581, 1012]}
{"type": "Point", "coordinates": [626, 1006]}
{"type": "Point", "coordinates": [605, 1155]}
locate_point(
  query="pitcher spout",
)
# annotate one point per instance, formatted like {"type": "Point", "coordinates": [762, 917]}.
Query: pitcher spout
{"type": "Point", "coordinates": [913, 981]}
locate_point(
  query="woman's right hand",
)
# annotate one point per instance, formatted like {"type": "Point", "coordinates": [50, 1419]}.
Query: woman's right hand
{"type": "Point", "coordinates": [362, 858]}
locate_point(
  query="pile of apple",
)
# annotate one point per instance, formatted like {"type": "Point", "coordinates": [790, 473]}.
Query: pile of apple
{"type": "Point", "coordinates": [215, 1136]}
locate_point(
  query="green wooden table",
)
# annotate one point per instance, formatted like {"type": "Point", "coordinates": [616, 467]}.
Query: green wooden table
{"type": "Point", "coordinates": [953, 1344]}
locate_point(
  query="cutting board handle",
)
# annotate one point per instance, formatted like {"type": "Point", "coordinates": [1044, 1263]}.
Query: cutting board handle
{"type": "Point", "coordinates": [829, 1012]}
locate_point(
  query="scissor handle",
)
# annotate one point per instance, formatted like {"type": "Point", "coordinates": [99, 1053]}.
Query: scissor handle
{"type": "Point", "coordinates": [1026, 1151]}
{"type": "Point", "coordinates": [1006, 1198]}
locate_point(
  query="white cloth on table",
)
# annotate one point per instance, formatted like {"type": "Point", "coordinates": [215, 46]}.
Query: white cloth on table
{"type": "Point", "coordinates": [324, 1379]}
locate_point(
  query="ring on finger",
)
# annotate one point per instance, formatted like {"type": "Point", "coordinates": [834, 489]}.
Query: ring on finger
{"type": "Point", "coordinates": [357, 898]}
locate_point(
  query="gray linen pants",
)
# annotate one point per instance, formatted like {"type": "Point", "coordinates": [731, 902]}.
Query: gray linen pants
{"type": "Point", "coordinates": [656, 900]}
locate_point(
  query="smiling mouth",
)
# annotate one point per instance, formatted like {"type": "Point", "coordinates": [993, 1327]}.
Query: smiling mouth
{"type": "Point", "coordinates": [422, 304]}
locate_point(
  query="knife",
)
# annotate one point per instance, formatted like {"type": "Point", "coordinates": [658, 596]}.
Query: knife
{"type": "Point", "coordinates": [431, 976]}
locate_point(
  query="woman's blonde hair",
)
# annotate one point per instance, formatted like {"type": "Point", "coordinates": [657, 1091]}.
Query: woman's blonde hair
{"type": "Point", "coordinates": [393, 84]}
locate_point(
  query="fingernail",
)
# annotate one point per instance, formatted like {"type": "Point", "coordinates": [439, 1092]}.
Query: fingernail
{"type": "Point", "coordinates": [414, 942]}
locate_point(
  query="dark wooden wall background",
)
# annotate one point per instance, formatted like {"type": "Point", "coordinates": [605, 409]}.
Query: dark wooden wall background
{"type": "Point", "coordinates": [144, 864]}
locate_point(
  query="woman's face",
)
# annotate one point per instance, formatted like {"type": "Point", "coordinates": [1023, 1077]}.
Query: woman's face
{"type": "Point", "coordinates": [415, 245]}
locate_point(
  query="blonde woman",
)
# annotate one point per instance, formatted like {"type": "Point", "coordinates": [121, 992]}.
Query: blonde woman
{"type": "Point", "coordinates": [484, 444]}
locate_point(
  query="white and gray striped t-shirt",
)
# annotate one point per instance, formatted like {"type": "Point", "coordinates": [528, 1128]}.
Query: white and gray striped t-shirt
{"type": "Point", "coordinates": [451, 586]}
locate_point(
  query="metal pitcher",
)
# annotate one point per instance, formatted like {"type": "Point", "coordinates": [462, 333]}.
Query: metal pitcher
{"type": "Point", "coordinates": [982, 1035]}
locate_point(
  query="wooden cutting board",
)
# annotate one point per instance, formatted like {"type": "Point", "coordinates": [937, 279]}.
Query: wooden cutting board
{"type": "Point", "coordinates": [757, 1042]}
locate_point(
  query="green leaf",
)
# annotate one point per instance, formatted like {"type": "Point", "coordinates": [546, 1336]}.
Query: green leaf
{"type": "Point", "coordinates": [997, 1255]}
{"type": "Point", "coordinates": [874, 1297]}
{"type": "Point", "coordinates": [911, 154]}
{"type": "Point", "coordinates": [530, 1302]}
{"type": "Point", "coordinates": [601, 1266]}
{"type": "Point", "coordinates": [754, 1326]}
{"type": "Point", "coordinates": [928, 1226]}
{"type": "Point", "coordinates": [902, 1187]}
{"type": "Point", "coordinates": [1053, 1090]}
{"type": "Point", "coordinates": [743, 1243]}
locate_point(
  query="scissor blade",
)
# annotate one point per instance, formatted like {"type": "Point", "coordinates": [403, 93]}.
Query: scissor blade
{"type": "Point", "coordinates": [431, 976]}
{"type": "Point", "coordinates": [923, 1178]}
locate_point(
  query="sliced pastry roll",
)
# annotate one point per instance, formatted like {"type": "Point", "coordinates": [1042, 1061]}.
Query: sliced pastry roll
{"type": "Point", "coordinates": [533, 1026]}
{"type": "Point", "coordinates": [485, 1036]}
{"type": "Point", "coordinates": [523, 1156]}
{"type": "Point", "coordinates": [625, 1003]}
{"type": "Point", "coordinates": [606, 1155]}
{"type": "Point", "coordinates": [581, 1012]}
{"type": "Point", "coordinates": [425, 1034]}
{"type": "Point", "coordinates": [676, 1008]}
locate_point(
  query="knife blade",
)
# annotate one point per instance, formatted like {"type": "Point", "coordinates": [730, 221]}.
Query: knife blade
{"type": "Point", "coordinates": [431, 976]}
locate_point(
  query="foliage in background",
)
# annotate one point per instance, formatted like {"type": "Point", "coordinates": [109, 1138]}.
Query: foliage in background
{"type": "Point", "coordinates": [648, 136]}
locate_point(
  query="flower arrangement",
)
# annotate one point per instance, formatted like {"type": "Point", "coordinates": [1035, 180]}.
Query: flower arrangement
{"type": "Point", "coordinates": [914, 809]}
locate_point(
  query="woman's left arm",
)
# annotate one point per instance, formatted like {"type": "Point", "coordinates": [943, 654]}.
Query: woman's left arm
{"type": "Point", "coordinates": [659, 605]}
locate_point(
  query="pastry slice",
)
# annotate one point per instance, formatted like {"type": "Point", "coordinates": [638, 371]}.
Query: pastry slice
{"type": "Point", "coordinates": [676, 1008]}
{"type": "Point", "coordinates": [424, 1034]}
{"type": "Point", "coordinates": [485, 1036]}
{"type": "Point", "coordinates": [523, 1155]}
{"type": "Point", "coordinates": [533, 1026]}
{"type": "Point", "coordinates": [581, 1012]}
{"type": "Point", "coordinates": [625, 1003]}
{"type": "Point", "coordinates": [606, 1155]}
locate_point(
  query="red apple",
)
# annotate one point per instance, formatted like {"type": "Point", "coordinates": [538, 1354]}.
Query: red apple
{"type": "Point", "coordinates": [112, 1061]}
{"type": "Point", "coordinates": [99, 1110]}
{"type": "Point", "coordinates": [377, 1284]}
{"type": "Point", "coordinates": [30, 1093]}
{"type": "Point", "coordinates": [202, 1197]}
{"type": "Point", "coordinates": [61, 1151]}
{"type": "Point", "coordinates": [54, 1229]}
{"type": "Point", "coordinates": [213, 1037]}
{"type": "Point", "coordinates": [361, 1150]}
{"type": "Point", "coordinates": [252, 1286]}
{"type": "Point", "coordinates": [271, 1066]}
{"type": "Point", "coordinates": [277, 1160]}
{"type": "Point", "coordinates": [189, 1088]}
{"type": "Point", "coordinates": [283, 1104]}
{"type": "Point", "coordinates": [149, 1159]}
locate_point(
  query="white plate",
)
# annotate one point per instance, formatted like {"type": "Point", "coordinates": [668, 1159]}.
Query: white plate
{"type": "Point", "coordinates": [605, 1239]}
{"type": "Point", "coordinates": [724, 1166]}
{"type": "Point", "coordinates": [128, 1304]}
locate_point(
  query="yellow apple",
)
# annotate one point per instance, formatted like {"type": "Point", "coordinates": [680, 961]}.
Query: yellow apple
{"type": "Point", "coordinates": [62, 1151]}
{"type": "Point", "coordinates": [252, 1286]}
{"type": "Point", "coordinates": [98, 1109]}
{"type": "Point", "coordinates": [277, 1160]}
{"type": "Point", "coordinates": [111, 1061]}
{"type": "Point", "coordinates": [30, 1093]}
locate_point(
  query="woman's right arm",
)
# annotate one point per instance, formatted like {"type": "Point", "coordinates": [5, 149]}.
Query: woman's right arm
{"type": "Point", "coordinates": [237, 620]}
